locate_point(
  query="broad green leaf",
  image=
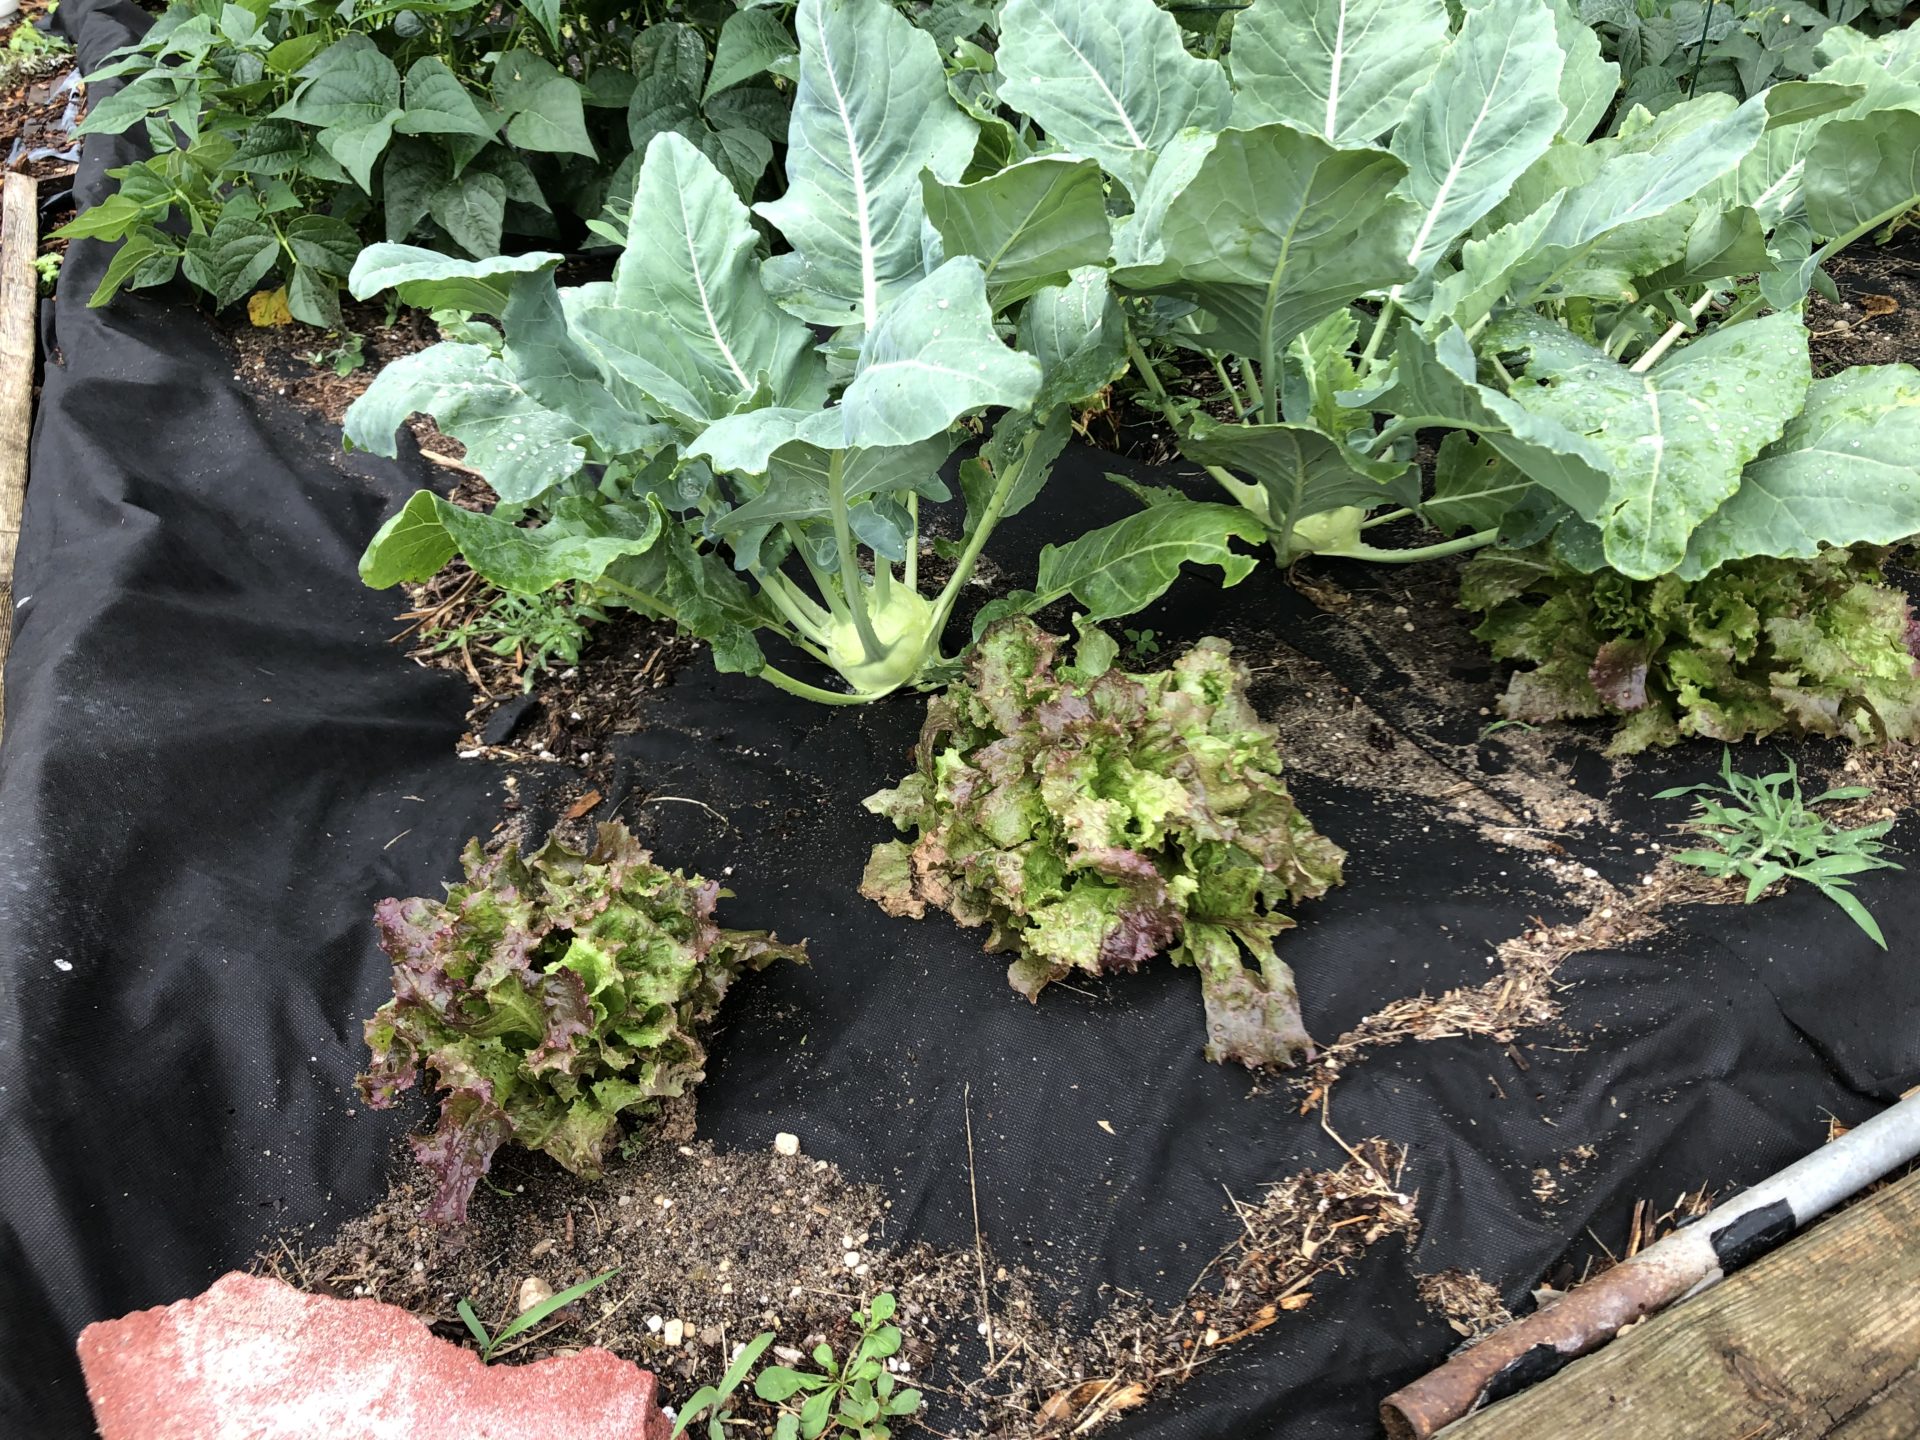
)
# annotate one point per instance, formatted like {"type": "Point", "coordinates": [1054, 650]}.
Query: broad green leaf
{"type": "Point", "coordinates": [547, 14]}
{"type": "Point", "coordinates": [472, 211]}
{"type": "Point", "coordinates": [235, 255]}
{"type": "Point", "coordinates": [1078, 334]}
{"type": "Point", "coordinates": [358, 148]}
{"type": "Point", "coordinates": [1491, 109]}
{"type": "Point", "coordinates": [1344, 69]}
{"type": "Point", "coordinates": [932, 358]}
{"type": "Point", "coordinates": [1847, 470]}
{"type": "Point", "coordinates": [1028, 225]}
{"type": "Point", "coordinates": [1435, 383]}
{"type": "Point", "coordinates": [417, 542]}
{"type": "Point", "coordinates": [870, 113]}
{"type": "Point", "coordinates": [543, 106]}
{"type": "Point", "coordinates": [1487, 266]}
{"type": "Point", "coordinates": [1276, 229]}
{"type": "Point", "coordinates": [1720, 244]}
{"type": "Point", "coordinates": [1588, 81]}
{"type": "Point", "coordinates": [1112, 80]}
{"type": "Point", "coordinates": [1862, 173]}
{"type": "Point", "coordinates": [690, 280]}
{"type": "Point", "coordinates": [428, 280]}
{"type": "Point", "coordinates": [669, 61]}
{"type": "Point", "coordinates": [1129, 564]}
{"type": "Point", "coordinates": [1675, 437]}
{"type": "Point", "coordinates": [412, 545]}
{"type": "Point", "coordinates": [270, 147]}
{"type": "Point", "coordinates": [1632, 188]}
{"type": "Point", "coordinates": [313, 297]}
{"type": "Point", "coordinates": [554, 366]}
{"type": "Point", "coordinates": [324, 244]}
{"type": "Point", "coordinates": [1299, 470]}
{"type": "Point", "coordinates": [351, 85]}
{"type": "Point", "coordinates": [438, 104]}
{"type": "Point", "coordinates": [1474, 486]}
{"type": "Point", "coordinates": [750, 41]}
{"type": "Point", "coordinates": [520, 445]}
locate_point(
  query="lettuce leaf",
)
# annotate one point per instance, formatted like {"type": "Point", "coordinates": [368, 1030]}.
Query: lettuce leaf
{"type": "Point", "coordinates": [1821, 646]}
{"type": "Point", "coordinates": [550, 995]}
{"type": "Point", "coordinates": [1094, 819]}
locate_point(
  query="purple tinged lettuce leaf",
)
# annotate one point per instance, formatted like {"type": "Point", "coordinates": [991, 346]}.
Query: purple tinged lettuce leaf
{"type": "Point", "coordinates": [1820, 647]}
{"type": "Point", "coordinates": [550, 996]}
{"type": "Point", "coordinates": [1093, 819]}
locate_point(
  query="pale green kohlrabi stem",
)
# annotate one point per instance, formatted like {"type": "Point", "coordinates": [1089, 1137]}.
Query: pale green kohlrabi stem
{"type": "Point", "coordinates": [1254, 500]}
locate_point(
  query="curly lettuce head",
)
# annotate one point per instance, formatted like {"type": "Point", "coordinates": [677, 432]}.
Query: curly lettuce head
{"type": "Point", "coordinates": [550, 995]}
{"type": "Point", "coordinates": [1094, 819]}
{"type": "Point", "coordinates": [1821, 646]}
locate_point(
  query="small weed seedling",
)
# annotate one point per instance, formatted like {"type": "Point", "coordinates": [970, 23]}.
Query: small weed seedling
{"type": "Point", "coordinates": [846, 1402]}
{"type": "Point", "coordinates": [712, 1400]}
{"type": "Point", "coordinates": [47, 268]}
{"type": "Point", "coordinates": [1142, 645]}
{"type": "Point", "coordinates": [343, 359]}
{"type": "Point", "coordinates": [527, 1319]}
{"type": "Point", "coordinates": [1767, 831]}
{"type": "Point", "coordinates": [534, 631]}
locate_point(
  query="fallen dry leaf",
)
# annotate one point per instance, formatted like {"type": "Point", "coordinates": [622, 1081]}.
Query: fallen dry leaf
{"type": "Point", "coordinates": [585, 803]}
{"type": "Point", "coordinates": [1091, 1402]}
{"type": "Point", "coordinates": [1297, 1302]}
{"type": "Point", "coordinates": [1108, 1128]}
{"type": "Point", "coordinates": [1876, 305]}
{"type": "Point", "coordinates": [269, 307]}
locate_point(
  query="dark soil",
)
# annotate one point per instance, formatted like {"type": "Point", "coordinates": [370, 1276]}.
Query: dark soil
{"type": "Point", "coordinates": [711, 1249]}
{"type": "Point", "coordinates": [1877, 321]}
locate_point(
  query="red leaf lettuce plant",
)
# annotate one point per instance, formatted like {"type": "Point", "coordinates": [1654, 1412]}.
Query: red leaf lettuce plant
{"type": "Point", "coordinates": [1094, 818]}
{"type": "Point", "coordinates": [550, 995]}
{"type": "Point", "coordinates": [1820, 646]}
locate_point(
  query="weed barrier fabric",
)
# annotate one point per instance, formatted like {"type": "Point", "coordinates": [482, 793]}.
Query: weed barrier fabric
{"type": "Point", "coordinates": [215, 765]}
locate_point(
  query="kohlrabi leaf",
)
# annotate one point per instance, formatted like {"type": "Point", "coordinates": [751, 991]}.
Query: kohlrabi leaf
{"type": "Point", "coordinates": [576, 545]}
{"type": "Point", "coordinates": [932, 357]}
{"type": "Point", "coordinates": [870, 114]}
{"type": "Point", "coordinates": [1675, 437]}
{"type": "Point", "coordinates": [1078, 334]}
{"type": "Point", "coordinates": [520, 445]}
{"type": "Point", "coordinates": [1630, 189]}
{"type": "Point", "coordinates": [1862, 173]}
{"type": "Point", "coordinates": [432, 281]}
{"type": "Point", "coordinates": [1298, 470]}
{"type": "Point", "coordinates": [1435, 384]}
{"type": "Point", "coordinates": [1343, 69]}
{"type": "Point", "coordinates": [1468, 294]}
{"type": "Point", "coordinates": [1847, 470]}
{"type": "Point", "coordinates": [1720, 244]}
{"type": "Point", "coordinates": [1028, 225]}
{"type": "Point", "coordinates": [1588, 81]}
{"type": "Point", "coordinates": [689, 282]}
{"type": "Point", "coordinates": [1490, 109]}
{"type": "Point", "coordinates": [1275, 230]}
{"type": "Point", "coordinates": [1112, 80]}
{"type": "Point", "coordinates": [1125, 566]}
{"type": "Point", "coordinates": [1474, 486]}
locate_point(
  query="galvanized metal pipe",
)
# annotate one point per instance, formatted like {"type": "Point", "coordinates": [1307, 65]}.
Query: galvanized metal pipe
{"type": "Point", "coordinates": [1698, 1255]}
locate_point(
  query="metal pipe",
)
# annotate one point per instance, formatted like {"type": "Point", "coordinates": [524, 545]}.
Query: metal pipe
{"type": "Point", "coordinates": [1700, 1254]}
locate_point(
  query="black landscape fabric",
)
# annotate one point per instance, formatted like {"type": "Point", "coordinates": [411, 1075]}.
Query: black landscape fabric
{"type": "Point", "coordinates": [215, 764]}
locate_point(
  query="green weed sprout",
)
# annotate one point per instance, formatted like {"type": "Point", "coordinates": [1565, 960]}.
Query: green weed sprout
{"type": "Point", "coordinates": [1766, 831]}
{"type": "Point", "coordinates": [851, 1401]}
{"type": "Point", "coordinates": [711, 1400]}
{"type": "Point", "coordinates": [527, 1319]}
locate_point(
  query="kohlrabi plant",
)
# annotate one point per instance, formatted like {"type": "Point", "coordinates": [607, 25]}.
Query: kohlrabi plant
{"type": "Point", "coordinates": [1093, 819]}
{"type": "Point", "coordinates": [551, 995]}
{"type": "Point", "coordinates": [1758, 646]}
{"type": "Point", "coordinates": [687, 442]}
{"type": "Point", "coordinates": [1376, 221]}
